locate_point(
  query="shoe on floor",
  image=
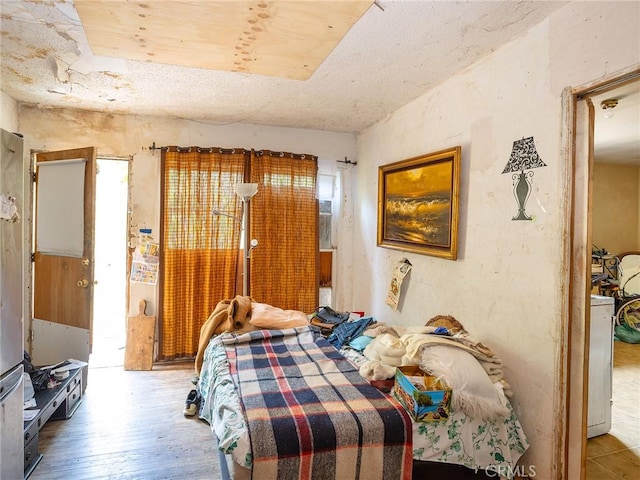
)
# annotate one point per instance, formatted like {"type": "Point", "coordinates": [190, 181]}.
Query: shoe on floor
{"type": "Point", "coordinates": [192, 404]}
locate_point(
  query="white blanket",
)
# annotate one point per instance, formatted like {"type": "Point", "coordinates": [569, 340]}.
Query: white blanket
{"type": "Point", "coordinates": [468, 367]}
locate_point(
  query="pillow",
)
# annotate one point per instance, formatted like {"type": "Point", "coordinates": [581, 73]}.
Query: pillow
{"type": "Point", "coordinates": [268, 317]}
{"type": "Point", "coordinates": [359, 343]}
{"type": "Point", "coordinates": [473, 391]}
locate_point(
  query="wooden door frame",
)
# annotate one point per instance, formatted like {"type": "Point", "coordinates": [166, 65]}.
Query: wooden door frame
{"type": "Point", "coordinates": [31, 192]}
{"type": "Point", "coordinates": [571, 424]}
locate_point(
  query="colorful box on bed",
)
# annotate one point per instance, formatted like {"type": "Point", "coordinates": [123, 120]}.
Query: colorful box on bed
{"type": "Point", "coordinates": [430, 402]}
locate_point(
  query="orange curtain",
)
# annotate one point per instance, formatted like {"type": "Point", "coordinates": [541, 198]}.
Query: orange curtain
{"type": "Point", "coordinates": [199, 249]}
{"type": "Point", "coordinates": [284, 219]}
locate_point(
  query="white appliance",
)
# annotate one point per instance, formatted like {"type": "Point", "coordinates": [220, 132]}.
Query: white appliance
{"type": "Point", "coordinates": [600, 365]}
{"type": "Point", "coordinates": [12, 287]}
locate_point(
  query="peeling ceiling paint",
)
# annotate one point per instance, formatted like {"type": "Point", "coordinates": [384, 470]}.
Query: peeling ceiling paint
{"type": "Point", "coordinates": [394, 53]}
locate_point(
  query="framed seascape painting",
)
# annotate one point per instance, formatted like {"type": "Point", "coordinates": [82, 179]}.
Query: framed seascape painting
{"type": "Point", "coordinates": [418, 204]}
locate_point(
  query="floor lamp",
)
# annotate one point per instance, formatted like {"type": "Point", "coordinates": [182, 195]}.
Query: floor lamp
{"type": "Point", "coordinates": [246, 191]}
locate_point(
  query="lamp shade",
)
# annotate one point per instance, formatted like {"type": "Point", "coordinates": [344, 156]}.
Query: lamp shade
{"type": "Point", "coordinates": [246, 190]}
{"type": "Point", "coordinates": [523, 157]}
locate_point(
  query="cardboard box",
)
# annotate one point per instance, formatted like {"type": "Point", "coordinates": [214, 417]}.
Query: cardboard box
{"type": "Point", "coordinates": [425, 398]}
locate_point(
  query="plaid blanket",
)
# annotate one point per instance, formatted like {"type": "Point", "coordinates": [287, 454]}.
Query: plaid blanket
{"type": "Point", "coordinates": [310, 415]}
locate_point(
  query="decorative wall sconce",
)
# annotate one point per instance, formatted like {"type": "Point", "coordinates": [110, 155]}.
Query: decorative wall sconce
{"type": "Point", "coordinates": [523, 157]}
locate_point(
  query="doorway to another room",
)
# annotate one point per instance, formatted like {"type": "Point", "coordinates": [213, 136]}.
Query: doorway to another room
{"type": "Point", "coordinates": [327, 185]}
{"type": "Point", "coordinates": [613, 455]}
{"type": "Point", "coordinates": [110, 257]}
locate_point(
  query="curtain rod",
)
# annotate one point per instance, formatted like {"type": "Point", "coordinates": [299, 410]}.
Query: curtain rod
{"type": "Point", "coordinates": [259, 153]}
{"type": "Point", "coordinates": [296, 156]}
{"type": "Point", "coordinates": [153, 147]}
{"type": "Point", "coordinates": [347, 161]}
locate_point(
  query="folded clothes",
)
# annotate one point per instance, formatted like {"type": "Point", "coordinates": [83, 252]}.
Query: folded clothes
{"type": "Point", "coordinates": [346, 331]}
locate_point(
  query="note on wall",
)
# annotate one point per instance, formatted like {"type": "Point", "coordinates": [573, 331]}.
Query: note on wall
{"type": "Point", "coordinates": [400, 270]}
{"type": "Point", "coordinates": [144, 267]}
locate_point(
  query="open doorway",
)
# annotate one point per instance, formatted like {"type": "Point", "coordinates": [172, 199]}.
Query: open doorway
{"type": "Point", "coordinates": [615, 220]}
{"type": "Point", "coordinates": [578, 155]}
{"type": "Point", "coordinates": [110, 269]}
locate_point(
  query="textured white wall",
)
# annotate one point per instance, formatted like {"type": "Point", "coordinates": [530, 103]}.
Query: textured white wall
{"type": "Point", "coordinates": [124, 135]}
{"type": "Point", "coordinates": [8, 113]}
{"type": "Point", "coordinates": [505, 285]}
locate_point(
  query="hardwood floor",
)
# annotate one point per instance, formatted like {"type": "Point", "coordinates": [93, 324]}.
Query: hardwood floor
{"type": "Point", "coordinates": [130, 425]}
{"type": "Point", "coordinates": [616, 455]}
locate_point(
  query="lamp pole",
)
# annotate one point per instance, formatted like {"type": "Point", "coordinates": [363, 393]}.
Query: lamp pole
{"type": "Point", "coordinates": [245, 262]}
{"type": "Point", "coordinates": [245, 191]}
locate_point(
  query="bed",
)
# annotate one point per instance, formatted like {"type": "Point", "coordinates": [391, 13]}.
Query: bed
{"type": "Point", "coordinates": [493, 446]}
{"type": "Point", "coordinates": [306, 412]}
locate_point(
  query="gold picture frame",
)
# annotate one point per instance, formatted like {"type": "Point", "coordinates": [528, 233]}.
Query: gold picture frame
{"type": "Point", "coordinates": [418, 204]}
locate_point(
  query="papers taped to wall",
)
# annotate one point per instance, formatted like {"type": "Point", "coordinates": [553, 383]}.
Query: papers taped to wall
{"type": "Point", "coordinates": [8, 208]}
{"type": "Point", "coordinates": [400, 270]}
{"type": "Point", "coordinates": [144, 267]}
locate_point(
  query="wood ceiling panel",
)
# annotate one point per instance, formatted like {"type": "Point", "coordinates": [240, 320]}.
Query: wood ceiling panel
{"type": "Point", "coordinates": [288, 39]}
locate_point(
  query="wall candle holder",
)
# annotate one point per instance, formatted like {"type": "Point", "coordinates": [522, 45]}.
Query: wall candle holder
{"type": "Point", "coordinates": [523, 159]}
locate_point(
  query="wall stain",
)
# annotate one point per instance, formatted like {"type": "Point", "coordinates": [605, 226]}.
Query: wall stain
{"type": "Point", "coordinates": [23, 78]}
{"type": "Point", "coordinates": [66, 36]}
{"type": "Point", "coordinates": [13, 56]}
{"type": "Point", "coordinates": [40, 52]}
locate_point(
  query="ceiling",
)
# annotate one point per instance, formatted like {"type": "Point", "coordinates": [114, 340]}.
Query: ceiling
{"type": "Point", "coordinates": [617, 137]}
{"type": "Point", "coordinates": [288, 39]}
{"type": "Point", "coordinates": [395, 51]}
